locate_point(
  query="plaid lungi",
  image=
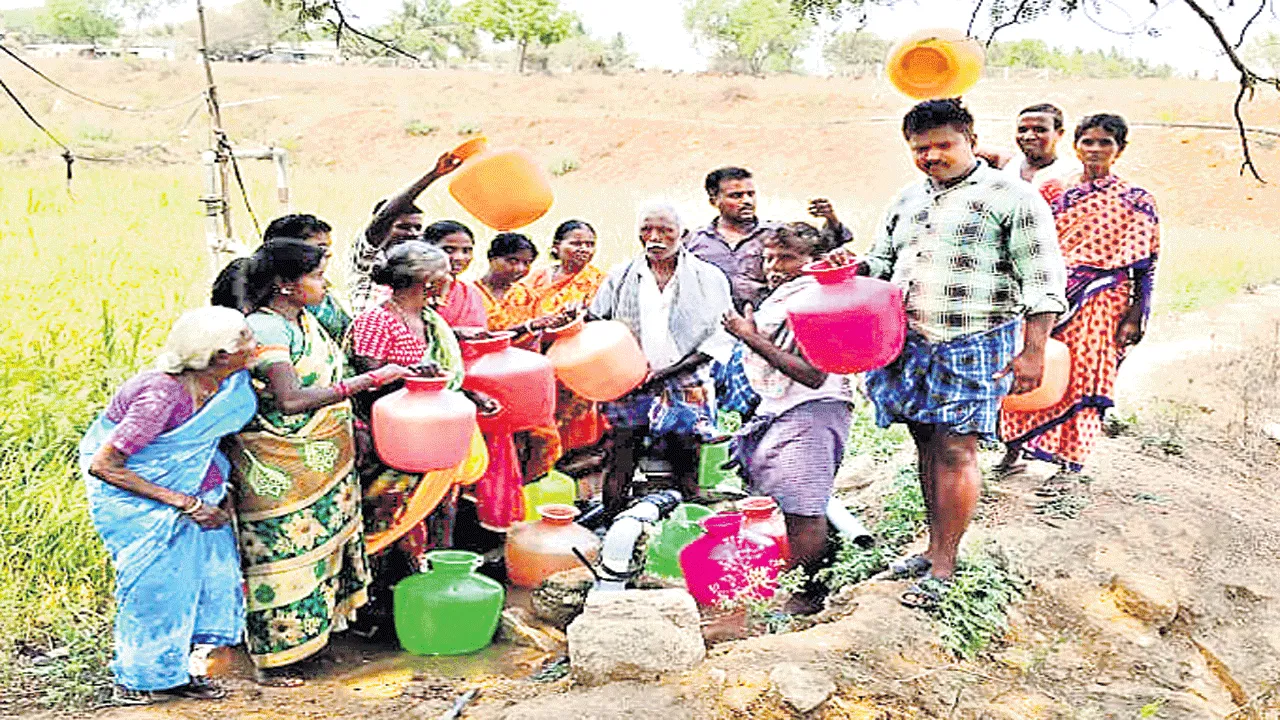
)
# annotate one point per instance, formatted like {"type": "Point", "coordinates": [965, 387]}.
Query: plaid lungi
{"type": "Point", "coordinates": [634, 411]}
{"type": "Point", "coordinates": [948, 384]}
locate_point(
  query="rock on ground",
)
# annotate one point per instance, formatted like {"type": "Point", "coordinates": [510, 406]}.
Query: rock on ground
{"type": "Point", "coordinates": [802, 689]}
{"type": "Point", "coordinates": [635, 635]}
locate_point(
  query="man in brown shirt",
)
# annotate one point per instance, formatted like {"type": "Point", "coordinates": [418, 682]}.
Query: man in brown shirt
{"type": "Point", "coordinates": [734, 240]}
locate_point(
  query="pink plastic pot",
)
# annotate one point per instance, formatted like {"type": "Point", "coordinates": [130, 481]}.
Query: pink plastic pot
{"type": "Point", "coordinates": [422, 426]}
{"type": "Point", "coordinates": [728, 565]}
{"type": "Point", "coordinates": [848, 324]}
{"type": "Point", "coordinates": [522, 381]}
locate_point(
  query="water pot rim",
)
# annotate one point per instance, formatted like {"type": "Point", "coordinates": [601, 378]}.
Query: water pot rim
{"type": "Point", "coordinates": [827, 274]}
{"type": "Point", "coordinates": [454, 559]}
{"type": "Point", "coordinates": [758, 505]}
{"type": "Point", "coordinates": [495, 342]}
{"type": "Point", "coordinates": [569, 329]}
{"type": "Point", "coordinates": [725, 523]}
{"type": "Point", "coordinates": [426, 384]}
{"type": "Point", "coordinates": [558, 513]}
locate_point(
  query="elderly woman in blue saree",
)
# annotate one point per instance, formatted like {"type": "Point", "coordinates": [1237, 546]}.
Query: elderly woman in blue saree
{"type": "Point", "coordinates": [157, 486]}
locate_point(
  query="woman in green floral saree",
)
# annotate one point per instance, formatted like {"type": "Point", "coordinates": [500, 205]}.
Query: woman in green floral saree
{"type": "Point", "coordinates": [297, 494]}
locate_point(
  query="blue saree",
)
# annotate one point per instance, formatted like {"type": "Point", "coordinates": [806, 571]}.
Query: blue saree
{"type": "Point", "coordinates": [176, 583]}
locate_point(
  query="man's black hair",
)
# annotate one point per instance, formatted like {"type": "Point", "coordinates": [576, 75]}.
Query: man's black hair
{"type": "Point", "coordinates": [1047, 109]}
{"type": "Point", "coordinates": [931, 114]}
{"type": "Point", "coordinates": [1113, 125]}
{"type": "Point", "coordinates": [411, 210]}
{"type": "Point", "coordinates": [296, 225]}
{"type": "Point", "coordinates": [719, 175]}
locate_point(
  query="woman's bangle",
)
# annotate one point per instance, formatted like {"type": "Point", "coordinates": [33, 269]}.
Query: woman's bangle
{"type": "Point", "coordinates": [194, 507]}
{"type": "Point", "coordinates": [344, 389]}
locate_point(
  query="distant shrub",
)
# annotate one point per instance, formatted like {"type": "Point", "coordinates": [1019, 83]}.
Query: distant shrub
{"type": "Point", "coordinates": [418, 128]}
{"type": "Point", "coordinates": [564, 166]}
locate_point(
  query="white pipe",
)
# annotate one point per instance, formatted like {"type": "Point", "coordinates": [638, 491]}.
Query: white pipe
{"type": "Point", "coordinates": [281, 158]}
{"type": "Point", "coordinates": [846, 524]}
{"type": "Point", "coordinates": [619, 547]}
{"type": "Point", "coordinates": [212, 209]}
{"type": "Point", "coordinates": [620, 544]}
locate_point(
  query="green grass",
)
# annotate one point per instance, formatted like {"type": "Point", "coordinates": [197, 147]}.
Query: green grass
{"type": "Point", "coordinates": [973, 610]}
{"type": "Point", "coordinates": [901, 518]}
{"type": "Point", "coordinates": [867, 439]}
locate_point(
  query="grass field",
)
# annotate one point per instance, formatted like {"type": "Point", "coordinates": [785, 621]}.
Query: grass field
{"type": "Point", "coordinates": [91, 283]}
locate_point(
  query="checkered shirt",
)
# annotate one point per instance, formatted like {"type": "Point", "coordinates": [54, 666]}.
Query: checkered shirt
{"type": "Point", "coordinates": [970, 256]}
{"type": "Point", "coordinates": [362, 292]}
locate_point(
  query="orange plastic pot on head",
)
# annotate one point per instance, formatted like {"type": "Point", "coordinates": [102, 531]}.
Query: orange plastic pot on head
{"type": "Point", "coordinates": [1053, 385]}
{"type": "Point", "coordinates": [505, 189]}
{"type": "Point", "coordinates": [935, 63]}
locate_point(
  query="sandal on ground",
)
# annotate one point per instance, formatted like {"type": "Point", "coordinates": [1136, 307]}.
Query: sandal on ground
{"type": "Point", "coordinates": [121, 695]}
{"type": "Point", "coordinates": [200, 688]}
{"type": "Point", "coordinates": [1007, 470]}
{"type": "Point", "coordinates": [925, 593]}
{"type": "Point", "coordinates": [279, 678]}
{"type": "Point", "coordinates": [910, 567]}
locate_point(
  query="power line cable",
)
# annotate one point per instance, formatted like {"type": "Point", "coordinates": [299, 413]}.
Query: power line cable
{"type": "Point", "coordinates": [86, 98]}
{"type": "Point", "coordinates": [68, 155]}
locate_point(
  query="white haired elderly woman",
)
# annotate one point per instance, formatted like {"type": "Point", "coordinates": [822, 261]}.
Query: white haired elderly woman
{"type": "Point", "coordinates": [672, 302]}
{"type": "Point", "coordinates": [157, 484]}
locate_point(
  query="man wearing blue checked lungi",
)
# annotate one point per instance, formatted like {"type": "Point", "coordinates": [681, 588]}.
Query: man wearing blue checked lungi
{"type": "Point", "coordinates": [976, 254]}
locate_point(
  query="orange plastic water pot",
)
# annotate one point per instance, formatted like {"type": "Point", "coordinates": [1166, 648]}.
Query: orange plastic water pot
{"type": "Point", "coordinates": [599, 360]}
{"type": "Point", "coordinates": [935, 63]}
{"type": "Point", "coordinates": [1053, 384]}
{"type": "Point", "coordinates": [504, 188]}
{"type": "Point", "coordinates": [537, 550]}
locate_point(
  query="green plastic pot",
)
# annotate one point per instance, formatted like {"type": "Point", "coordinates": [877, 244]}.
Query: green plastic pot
{"type": "Point", "coordinates": [683, 526]}
{"type": "Point", "coordinates": [449, 609]}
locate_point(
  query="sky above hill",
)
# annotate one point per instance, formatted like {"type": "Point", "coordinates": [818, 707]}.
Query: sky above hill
{"type": "Point", "coordinates": [655, 28]}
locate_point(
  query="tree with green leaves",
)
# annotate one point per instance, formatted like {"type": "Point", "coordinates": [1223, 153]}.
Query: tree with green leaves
{"type": "Point", "coordinates": [1265, 51]}
{"type": "Point", "coordinates": [523, 21]}
{"type": "Point", "coordinates": [757, 36]}
{"type": "Point", "coordinates": [855, 52]}
{"type": "Point", "coordinates": [88, 21]}
{"type": "Point", "coordinates": [428, 29]}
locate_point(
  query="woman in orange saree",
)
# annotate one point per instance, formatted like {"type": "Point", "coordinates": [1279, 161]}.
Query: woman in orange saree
{"type": "Point", "coordinates": [566, 287]}
{"type": "Point", "coordinates": [1110, 238]}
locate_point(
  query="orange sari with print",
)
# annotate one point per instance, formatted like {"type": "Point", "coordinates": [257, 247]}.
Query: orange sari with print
{"type": "Point", "coordinates": [1109, 234]}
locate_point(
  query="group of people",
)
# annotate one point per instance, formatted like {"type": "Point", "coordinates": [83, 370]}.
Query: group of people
{"type": "Point", "coordinates": [237, 490]}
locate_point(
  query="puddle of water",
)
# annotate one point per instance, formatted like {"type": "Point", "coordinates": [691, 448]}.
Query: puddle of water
{"type": "Point", "coordinates": [382, 670]}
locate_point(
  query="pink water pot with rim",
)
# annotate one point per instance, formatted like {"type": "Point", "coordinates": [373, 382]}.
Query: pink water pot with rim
{"type": "Point", "coordinates": [846, 323]}
{"type": "Point", "coordinates": [728, 564]}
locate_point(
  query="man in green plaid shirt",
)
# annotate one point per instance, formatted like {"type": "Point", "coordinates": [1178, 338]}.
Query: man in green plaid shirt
{"type": "Point", "coordinates": [976, 254]}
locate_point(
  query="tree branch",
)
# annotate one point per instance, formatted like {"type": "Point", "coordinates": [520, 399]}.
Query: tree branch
{"type": "Point", "coordinates": [973, 18]}
{"type": "Point", "coordinates": [1261, 6]}
{"type": "Point", "coordinates": [342, 23]}
{"type": "Point", "coordinates": [1249, 80]}
{"type": "Point", "coordinates": [1014, 20]}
